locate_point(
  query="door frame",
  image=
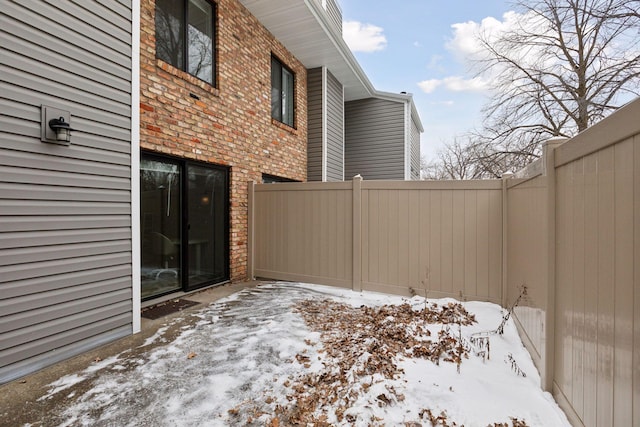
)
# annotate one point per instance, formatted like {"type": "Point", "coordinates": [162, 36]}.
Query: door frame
{"type": "Point", "coordinates": [183, 164]}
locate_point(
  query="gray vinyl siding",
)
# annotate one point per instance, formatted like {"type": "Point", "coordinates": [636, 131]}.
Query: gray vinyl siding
{"type": "Point", "coordinates": [374, 139]}
{"type": "Point", "coordinates": [415, 151]}
{"type": "Point", "coordinates": [335, 14]}
{"type": "Point", "coordinates": [65, 211]}
{"type": "Point", "coordinates": [325, 117]}
{"type": "Point", "coordinates": [314, 120]}
{"type": "Point", "coordinates": [335, 129]}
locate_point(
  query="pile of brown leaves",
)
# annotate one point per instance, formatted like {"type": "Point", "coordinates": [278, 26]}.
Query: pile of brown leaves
{"type": "Point", "coordinates": [442, 420]}
{"type": "Point", "coordinates": [361, 347]}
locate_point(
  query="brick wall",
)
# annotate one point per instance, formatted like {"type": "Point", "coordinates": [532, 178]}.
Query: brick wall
{"type": "Point", "coordinates": [230, 124]}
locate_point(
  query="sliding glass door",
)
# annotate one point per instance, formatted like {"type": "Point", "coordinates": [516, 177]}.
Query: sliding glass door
{"type": "Point", "coordinates": [206, 233]}
{"type": "Point", "coordinates": [184, 225]}
{"type": "Point", "coordinates": [161, 226]}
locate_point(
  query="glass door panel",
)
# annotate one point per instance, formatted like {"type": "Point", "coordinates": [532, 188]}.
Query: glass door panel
{"type": "Point", "coordinates": [207, 225]}
{"type": "Point", "coordinates": [160, 208]}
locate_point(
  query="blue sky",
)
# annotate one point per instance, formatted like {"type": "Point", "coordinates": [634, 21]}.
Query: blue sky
{"type": "Point", "coordinates": [419, 46]}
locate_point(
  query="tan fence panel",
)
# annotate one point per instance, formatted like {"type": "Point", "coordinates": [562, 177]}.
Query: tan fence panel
{"type": "Point", "coordinates": [573, 239]}
{"type": "Point", "coordinates": [527, 260]}
{"type": "Point", "coordinates": [595, 353]}
{"type": "Point", "coordinates": [303, 232]}
{"type": "Point", "coordinates": [442, 239]}
{"type": "Point", "coordinates": [439, 238]}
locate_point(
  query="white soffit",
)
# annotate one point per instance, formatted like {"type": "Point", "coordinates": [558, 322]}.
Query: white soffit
{"type": "Point", "coordinates": [304, 29]}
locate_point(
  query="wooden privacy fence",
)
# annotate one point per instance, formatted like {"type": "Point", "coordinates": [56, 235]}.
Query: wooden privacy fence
{"type": "Point", "coordinates": [567, 228]}
{"type": "Point", "coordinates": [402, 237]}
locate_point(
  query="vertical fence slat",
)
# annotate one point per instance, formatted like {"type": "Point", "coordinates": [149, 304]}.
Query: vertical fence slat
{"type": "Point", "coordinates": [576, 185]}
{"type": "Point", "coordinates": [623, 293]}
{"type": "Point", "coordinates": [636, 279]}
{"type": "Point", "coordinates": [470, 276]}
{"type": "Point", "coordinates": [605, 293]}
{"type": "Point", "coordinates": [458, 239]}
{"type": "Point", "coordinates": [548, 156]}
{"type": "Point", "coordinates": [435, 247]}
{"type": "Point", "coordinates": [564, 300]}
{"type": "Point", "coordinates": [357, 232]}
{"type": "Point", "coordinates": [591, 290]}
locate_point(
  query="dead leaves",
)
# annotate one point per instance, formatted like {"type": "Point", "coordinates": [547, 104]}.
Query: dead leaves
{"type": "Point", "coordinates": [360, 348]}
{"type": "Point", "coordinates": [363, 343]}
{"type": "Point", "coordinates": [442, 420]}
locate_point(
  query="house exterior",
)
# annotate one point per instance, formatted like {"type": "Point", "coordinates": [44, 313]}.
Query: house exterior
{"type": "Point", "coordinates": [67, 209]}
{"type": "Point", "coordinates": [174, 106]}
{"type": "Point", "coordinates": [382, 139]}
{"type": "Point", "coordinates": [345, 112]}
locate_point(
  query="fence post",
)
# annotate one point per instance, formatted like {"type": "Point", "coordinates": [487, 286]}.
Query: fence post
{"type": "Point", "coordinates": [549, 170]}
{"type": "Point", "coordinates": [357, 233]}
{"type": "Point", "coordinates": [505, 230]}
{"type": "Point", "coordinates": [250, 229]}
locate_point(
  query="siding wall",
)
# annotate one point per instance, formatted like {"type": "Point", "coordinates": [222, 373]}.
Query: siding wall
{"type": "Point", "coordinates": [334, 13]}
{"type": "Point", "coordinates": [315, 120]}
{"type": "Point", "coordinates": [374, 139]}
{"type": "Point", "coordinates": [326, 126]}
{"type": "Point", "coordinates": [415, 151]}
{"type": "Point", "coordinates": [65, 211]}
{"type": "Point", "coordinates": [335, 129]}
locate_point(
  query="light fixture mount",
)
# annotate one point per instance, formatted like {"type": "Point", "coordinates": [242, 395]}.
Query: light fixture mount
{"type": "Point", "coordinates": [55, 126]}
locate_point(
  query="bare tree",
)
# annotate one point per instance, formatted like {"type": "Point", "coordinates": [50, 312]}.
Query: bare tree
{"type": "Point", "coordinates": [565, 65]}
{"type": "Point", "coordinates": [457, 160]}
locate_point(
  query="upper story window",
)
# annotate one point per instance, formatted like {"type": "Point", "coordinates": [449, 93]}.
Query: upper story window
{"type": "Point", "coordinates": [185, 36]}
{"type": "Point", "coordinates": [282, 96]}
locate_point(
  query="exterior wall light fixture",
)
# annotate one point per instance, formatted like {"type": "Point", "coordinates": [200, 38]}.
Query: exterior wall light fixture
{"type": "Point", "coordinates": [61, 128]}
{"type": "Point", "coordinates": [55, 126]}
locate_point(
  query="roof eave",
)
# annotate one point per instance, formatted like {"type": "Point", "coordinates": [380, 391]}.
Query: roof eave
{"type": "Point", "coordinates": [305, 30]}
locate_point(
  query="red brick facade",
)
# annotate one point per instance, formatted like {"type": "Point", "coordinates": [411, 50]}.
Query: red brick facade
{"type": "Point", "coordinates": [230, 124]}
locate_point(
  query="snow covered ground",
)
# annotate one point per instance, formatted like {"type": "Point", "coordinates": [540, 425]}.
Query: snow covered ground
{"type": "Point", "coordinates": [285, 353]}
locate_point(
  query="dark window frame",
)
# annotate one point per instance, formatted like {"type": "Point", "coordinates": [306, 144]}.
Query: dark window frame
{"type": "Point", "coordinates": [184, 64]}
{"type": "Point", "coordinates": [183, 164]}
{"type": "Point", "coordinates": [290, 120]}
{"type": "Point", "coordinates": [272, 179]}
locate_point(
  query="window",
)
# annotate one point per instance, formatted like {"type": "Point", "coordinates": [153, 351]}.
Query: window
{"type": "Point", "coordinates": [272, 179]}
{"type": "Point", "coordinates": [282, 100]}
{"type": "Point", "coordinates": [185, 36]}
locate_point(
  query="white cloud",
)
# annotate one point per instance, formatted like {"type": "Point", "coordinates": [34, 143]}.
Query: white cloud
{"type": "Point", "coordinates": [448, 103]}
{"type": "Point", "coordinates": [465, 44]}
{"type": "Point", "coordinates": [429, 86]}
{"type": "Point", "coordinates": [454, 84]}
{"type": "Point", "coordinates": [363, 37]}
{"type": "Point", "coordinates": [435, 63]}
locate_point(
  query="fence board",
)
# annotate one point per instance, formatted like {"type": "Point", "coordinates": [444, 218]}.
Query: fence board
{"type": "Point", "coordinates": [623, 294]}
